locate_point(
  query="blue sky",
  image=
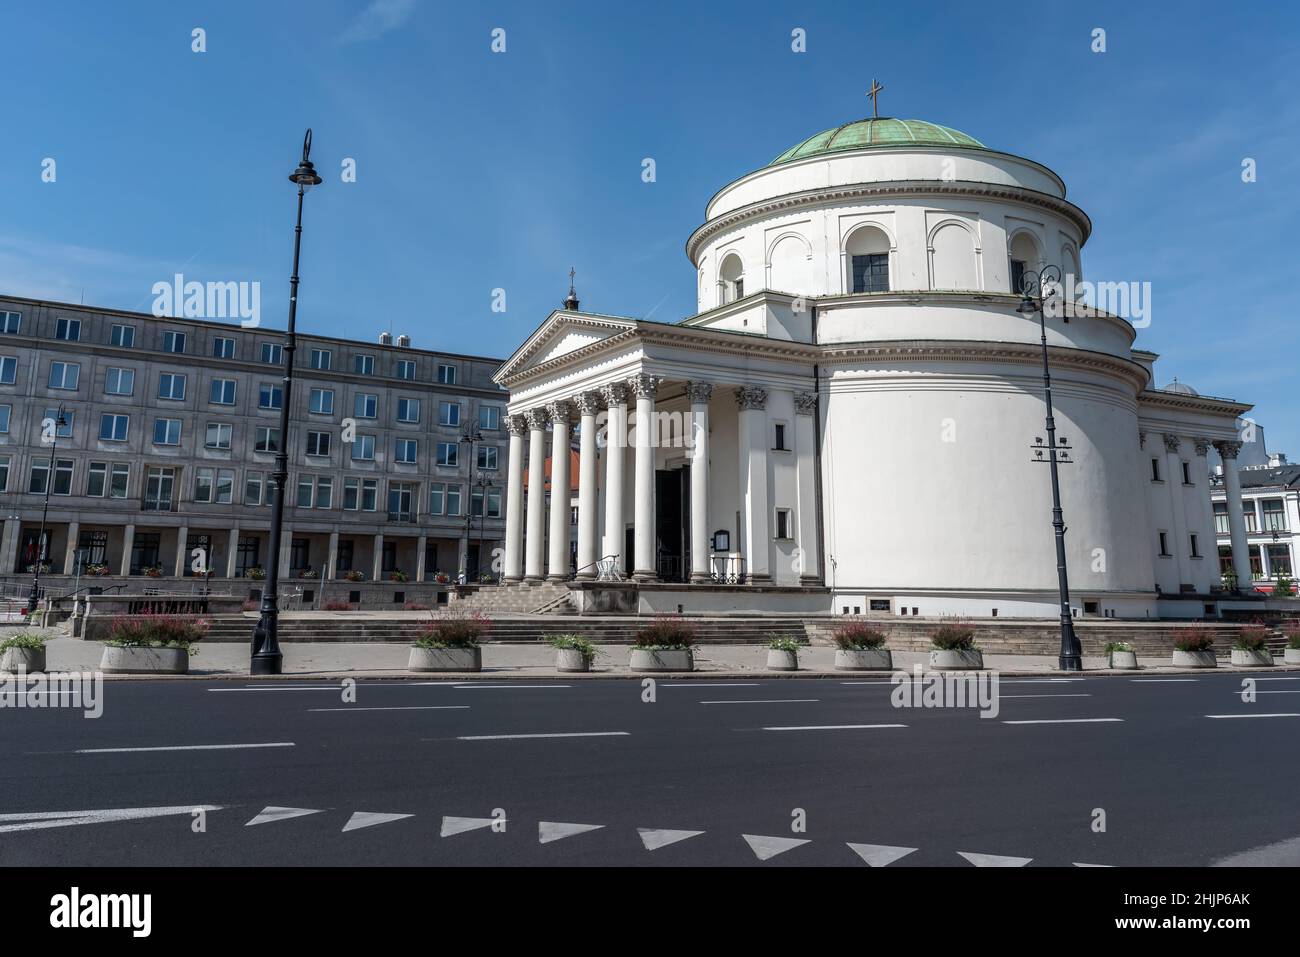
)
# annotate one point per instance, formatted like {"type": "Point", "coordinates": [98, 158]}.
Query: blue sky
{"type": "Point", "coordinates": [478, 170]}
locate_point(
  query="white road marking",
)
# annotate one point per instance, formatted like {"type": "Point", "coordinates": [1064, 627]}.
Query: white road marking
{"type": "Point", "coordinates": [360, 819]}
{"type": "Point", "coordinates": [1163, 681]}
{"type": "Point", "coordinates": [39, 820]}
{"type": "Point", "coordinates": [994, 860]}
{"type": "Point", "coordinates": [1001, 696]}
{"type": "Point", "coordinates": [187, 747]}
{"type": "Point", "coordinates": [280, 814]}
{"type": "Point", "coordinates": [548, 831]}
{"type": "Point", "coordinates": [408, 707]}
{"type": "Point", "coordinates": [1277, 679]}
{"type": "Point", "coordinates": [1280, 691]}
{"type": "Point", "coordinates": [1281, 715]}
{"type": "Point", "coordinates": [1066, 721]}
{"type": "Point", "coordinates": [1077, 864]}
{"type": "Point", "coordinates": [711, 684]}
{"type": "Point", "coordinates": [655, 838]}
{"type": "Point", "coordinates": [834, 727]}
{"type": "Point", "coordinates": [561, 734]}
{"type": "Point", "coordinates": [762, 701]}
{"type": "Point", "coordinates": [512, 687]}
{"type": "Point", "coordinates": [459, 825]}
{"type": "Point", "coordinates": [1039, 681]}
{"type": "Point", "coordinates": [880, 855]}
{"type": "Point", "coordinates": [765, 848]}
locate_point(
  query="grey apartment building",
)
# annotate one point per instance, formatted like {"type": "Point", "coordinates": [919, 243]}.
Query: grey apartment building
{"type": "Point", "coordinates": [168, 436]}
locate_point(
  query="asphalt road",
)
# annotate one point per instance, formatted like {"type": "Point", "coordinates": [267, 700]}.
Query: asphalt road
{"type": "Point", "coordinates": [1176, 787]}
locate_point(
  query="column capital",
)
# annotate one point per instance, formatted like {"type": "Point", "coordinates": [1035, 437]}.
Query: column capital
{"type": "Point", "coordinates": [751, 398]}
{"type": "Point", "coordinates": [1228, 450]}
{"type": "Point", "coordinates": [805, 403]}
{"type": "Point", "coordinates": [699, 391]}
{"type": "Point", "coordinates": [536, 419]}
{"type": "Point", "coordinates": [588, 403]}
{"type": "Point", "coordinates": [560, 412]}
{"type": "Point", "coordinates": [1202, 446]}
{"type": "Point", "coordinates": [517, 424]}
{"type": "Point", "coordinates": [1172, 442]}
{"type": "Point", "coordinates": [614, 394]}
{"type": "Point", "coordinates": [643, 385]}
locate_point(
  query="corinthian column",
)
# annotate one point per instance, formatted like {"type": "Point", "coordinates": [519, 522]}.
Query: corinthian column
{"type": "Point", "coordinates": [752, 440]}
{"type": "Point", "coordinates": [615, 397]}
{"type": "Point", "coordinates": [588, 406]}
{"type": "Point", "coordinates": [558, 567]}
{"type": "Point", "coordinates": [645, 387]}
{"type": "Point", "coordinates": [536, 534]}
{"type": "Point", "coordinates": [805, 444]}
{"type": "Point", "coordinates": [1236, 518]}
{"type": "Point", "coordinates": [514, 568]}
{"type": "Point", "coordinates": [699, 393]}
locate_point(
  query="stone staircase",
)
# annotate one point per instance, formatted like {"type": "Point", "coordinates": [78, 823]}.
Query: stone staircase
{"type": "Point", "coordinates": [519, 599]}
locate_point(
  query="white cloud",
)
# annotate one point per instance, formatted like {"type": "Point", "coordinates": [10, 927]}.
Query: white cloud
{"type": "Point", "coordinates": [379, 17]}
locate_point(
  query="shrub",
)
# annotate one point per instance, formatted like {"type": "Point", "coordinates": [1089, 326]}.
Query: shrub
{"type": "Point", "coordinates": [854, 635]}
{"type": "Point", "coordinates": [397, 575]}
{"type": "Point", "coordinates": [1193, 639]}
{"type": "Point", "coordinates": [1253, 637]}
{"type": "Point", "coordinates": [257, 573]}
{"type": "Point", "coordinates": [415, 606]}
{"type": "Point", "coordinates": [441, 578]}
{"type": "Point", "coordinates": [97, 569]}
{"type": "Point", "coordinates": [157, 631]}
{"type": "Point", "coordinates": [353, 575]}
{"type": "Point", "coordinates": [455, 629]}
{"type": "Point", "coordinates": [24, 639]}
{"type": "Point", "coordinates": [309, 573]}
{"type": "Point", "coordinates": [1114, 646]}
{"type": "Point", "coordinates": [666, 633]}
{"type": "Point", "coordinates": [154, 571]}
{"type": "Point", "coordinates": [571, 642]}
{"type": "Point", "coordinates": [336, 605]}
{"type": "Point", "coordinates": [785, 643]}
{"type": "Point", "coordinates": [1292, 633]}
{"type": "Point", "coordinates": [1285, 587]}
{"type": "Point", "coordinates": [953, 636]}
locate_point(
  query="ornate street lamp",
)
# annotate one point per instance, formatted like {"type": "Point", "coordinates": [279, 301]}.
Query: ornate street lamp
{"type": "Point", "coordinates": [1036, 289]}
{"type": "Point", "coordinates": [34, 598]}
{"type": "Point", "coordinates": [471, 438]}
{"type": "Point", "coordinates": [267, 658]}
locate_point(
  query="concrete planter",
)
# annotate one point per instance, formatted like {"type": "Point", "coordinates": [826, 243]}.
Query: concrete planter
{"type": "Point", "coordinates": [570, 659]}
{"type": "Point", "coordinates": [1194, 659]}
{"type": "Point", "coordinates": [957, 658]}
{"type": "Point", "coordinates": [1291, 656]}
{"type": "Point", "coordinates": [864, 659]}
{"type": "Point", "coordinates": [778, 660]}
{"type": "Point", "coordinates": [144, 661]}
{"type": "Point", "coordinates": [1124, 660]}
{"type": "Point", "coordinates": [676, 659]}
{"type": "Point", "coordinates": [25, 659]}
{"type": "Point", "coordinates": [445, 659]}
{"type": "Point", "coordinates": [1252, 659]}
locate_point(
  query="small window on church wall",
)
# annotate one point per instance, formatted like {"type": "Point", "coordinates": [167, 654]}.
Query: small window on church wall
{"type": "Point", "coordinates": [1155, 470]}
{"type": "Point", "coordinates": [731, 277]}
{"type": "Point", "coordinates": [1024, 257]}
{"type": "Point", "coordinates": [1164, 544]}
{"type": "Point", "coordinates": [778, 438]}
{"type": "Point", "coordinates": [867, 256]}
{"type": "Point", "coordinates": [783, 527]}
{"type": "Point", "coordinates": [953, 258]}
{"type": "Point", "coordinates": [1187, 474]}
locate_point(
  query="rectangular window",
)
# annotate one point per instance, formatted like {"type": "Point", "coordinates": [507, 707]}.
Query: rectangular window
{"type": "Point", "coordinates": [1279, 560]}
{"type": "Point", "coordinates": [273, 353]}
{"type": "Point", "coordinates": [369, 495]}
{"type": "Point", "coordinates": [489, 417]}
{"type": "Point", "coordinates": [246, 555]}
{"type": "Point", "coordinates": [1274, 514]}
{"type": "Point", "coordinates": [113, 428]}
{"type": "Point", "coordinates": [40, 475]}
{"type": "Point", "coordinates": [363, 364]}
{"type": "Point", "coordinates": [446, 375]}
{"type": "Point", "coordinates": [6, 413]}
{"type": "Point", "coordinates": [219, 435]}
{"type": "Point", "coordinates": [60, 421]}
{"type": "Point", "coordinates": [448, 454]}
{"type": "Point", "coordinates": [408, 410]}
{"type": "Point", "coordinates": [306, 491]}
{"type": "Point", "coordinates": [223, 347]}
{"type": "Point", "coordinates": [64, 375]}
{"type": "Point", "coordinates": [407, 451]}
{"type": "Point", "coordinates": [318, 443]}
{"type": "Point", "coordinates": [173, 342]}
{"type": "Point", "coordinates": [784, 530]}
{"type": "Point", "coordinates": [324, 492]}
{"type": "Point", "coordinates": [363, 448]}
{"type": "Point", "coordinates": [203, 485]}
{"type": "Point", "coordinates": [871, 273]}
{"type": "Point", "coordinates": [268, 440]}
{"type": "Point", "coordinates": [97, 479]}
{"type": "Point", "coordinates": [1018, 267]}
{"type": "Point", "coordinates": [1221, 518]}
{"type": "Point", "coordinates": [322, 359]}
{"type": "Point", "coordinates": [778, 438]}
{"type": "Point", "coordinates": [103, 479]}
{"type": "Point", "coordinates": [1164, 544]}
{"type": "Point", "coordinates": [4, 473]}
{"type": "Point", "coordinates": [401, 501]}
{"type": "Point", "coordinates": [166, 431]}
{"type": "Point", "coordinates": [449, 413]}
{"type": "Point", "coordinates": [94, 546]}
{"type": "Point", "coordinates": [405, 369]}
{"type": "Point", "coordinates": [1155, 470]}
{"type": "Point", "coordinates": [366, 406]}
{"type": "Point", "coordinates": [453, 500]}
{"type": "Point", "coordinates": [223, 392]}
{"type": "Point", "coordinates": [117, 479]}
{"type": "Point", "coordinates": [119, 382]}
{"type": "Point", "coordinates": [437, 494]}
{"type": "Point", "coordinates": [69, 330]}
{"type": "Point", "coordinates": [252, 488]}
{"type": "Point", "coordinates": [123, 337]}
{"type": "Point", "coordinates": [321, 401]}
{"type": "Point", "coordinates": [171, 385]}
{"type": "Point", "coordinates": [270, 396]}
{"type": "Point", "coordinates": [11, 322]}
{"type": "Point", "coordinates": [487, 456]}
{"type": "Point", "coordinates": [1252, 520]}
{"type": "Point", "coordinates": [8, 370]}
{"type": "Point", "coordinates": [494, 503]}
{"type": "Point", "coordinates": [351, 494]}
{"type": "Point", "coordinates": [1187, 473]}
{"type": "Point", "coordinates": [1196, 546]}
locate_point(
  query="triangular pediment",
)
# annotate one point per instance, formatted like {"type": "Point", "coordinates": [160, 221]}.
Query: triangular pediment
{"type": "Point", "coordinates": [561, 334]}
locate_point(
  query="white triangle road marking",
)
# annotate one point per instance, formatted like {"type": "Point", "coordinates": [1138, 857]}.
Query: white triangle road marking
{"type": "Point", "coordinates": [880, 855]}
{"type": "Point", "coordinates": [1077, 864]}
{"type": "Point", "coordinates": [994, 860]}
{"type": "Point", "coordinates": [280, 814]}
{"type": "Point", "coordinates": [39, 820]}
{"type": "Point", "coordinates": [459, 825]}
{"type": "Point", "coordinates": [548, 831]}
{"type": "Point", "coordinates": [768, 847]}
{"type": "Point", "coordinates": [654, 838]}
{"type": "Point", "coordinates": [360, 819]}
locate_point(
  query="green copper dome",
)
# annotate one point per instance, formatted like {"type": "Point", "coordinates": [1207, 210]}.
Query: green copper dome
{"type": "Point", "coordinates": [878, 132]}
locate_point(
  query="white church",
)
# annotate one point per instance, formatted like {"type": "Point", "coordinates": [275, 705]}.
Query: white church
{"type": "Point", "coordinates": [848, 423]}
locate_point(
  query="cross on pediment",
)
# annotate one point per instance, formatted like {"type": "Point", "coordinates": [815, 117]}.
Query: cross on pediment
{"type": "Point", "coordinates": [874, 92]}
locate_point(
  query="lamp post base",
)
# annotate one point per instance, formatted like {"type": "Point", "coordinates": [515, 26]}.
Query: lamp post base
{"type": "Point", "coordinates": [266, 658]}
{"type": "Point", "coordinates": [272, 664]}
{"type": "Point", "coordinates": [1070, 663]}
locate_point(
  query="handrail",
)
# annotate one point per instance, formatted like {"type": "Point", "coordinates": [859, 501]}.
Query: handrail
{"type": "Point", "coordinates": [102, 588]}
{"type": "Point", "coordinates": [573, 574]}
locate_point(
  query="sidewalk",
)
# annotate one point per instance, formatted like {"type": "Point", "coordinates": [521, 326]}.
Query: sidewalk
{"type": "Point", "coordinates": [537, 660]}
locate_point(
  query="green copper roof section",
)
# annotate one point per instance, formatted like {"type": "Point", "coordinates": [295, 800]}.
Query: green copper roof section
{"type": "Point", "coordinates": [882, 132]}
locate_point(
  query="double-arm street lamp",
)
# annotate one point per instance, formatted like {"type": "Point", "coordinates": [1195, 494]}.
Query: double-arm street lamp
{"type": "Point", "coordinates": [1037, 290]}
{"type": "Point", "coordinates": [34, 598]}
{"type": "Point", "coordinates": [266, 656]}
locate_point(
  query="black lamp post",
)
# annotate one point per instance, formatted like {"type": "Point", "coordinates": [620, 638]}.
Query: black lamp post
{"type": "Point", "coordinates": [34, 598]}
{"type": "Point", "coordinates": [1036, 289]}
{"type": "Point", "coordinates": [471, 438]}
{"type": "Point", "coordinates": [267, 658]}
{"type": "Point", "coordinates": [484, 483]}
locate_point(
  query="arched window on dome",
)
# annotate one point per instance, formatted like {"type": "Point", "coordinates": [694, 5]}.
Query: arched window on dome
{"type": "Point", "coordinates": [1024, 257]}
{"type": "Point", "coordinates": [731, 280]}
{"type": "Point", "coordinates": [866, 258]}
{"type": "Point", "coordinates": [953, 258]}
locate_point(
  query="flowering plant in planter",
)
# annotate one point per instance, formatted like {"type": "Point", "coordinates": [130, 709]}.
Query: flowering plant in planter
{"type": "Point", "coordinates": [257, 573]}
{"type": "Point", "coordinates": [1285, 587]}
{"type": "Point", "coordinates": [1251, 638]}
{"type": "Point", "coordinates": [1193, 639]}
{"type": "Point", "coordinates": [98, 568]}
{"type": "Point", "coordinates": [397, 575]}
{"type": "Point", "coordinates": [666, 633]}
{"type": "Point", "coordinates": [1114, 646]}
{"type": "Point", "coordinates": [953, 636]}
{"type": "Point", "coordinates": [1292, 634]}
{"type": "Point", "coordinates": [353, 575]}
{"type": "Point", "coordinates": [310, 573]}
{"type": "Point", "coordinates": [455, 629]}
{"type": "Point", "coordinates": [487, 578]}
{"type": "Point", "coordinates": [24, 639]}
{"type": "Point", "coordinates": [856, 636]}
{"type": "Point", "coordinates": [45, 567]}
{"type": "Point", "coordinates": [154, 571]}
{"type": "Point", "coordinates": [572, 642]}
{"type": "Point", "coordinates": [157, 631]}
{"type": "Point", "coordinates": [441, 578]}
{"type": "Point", "coordinates": [788, 643]}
